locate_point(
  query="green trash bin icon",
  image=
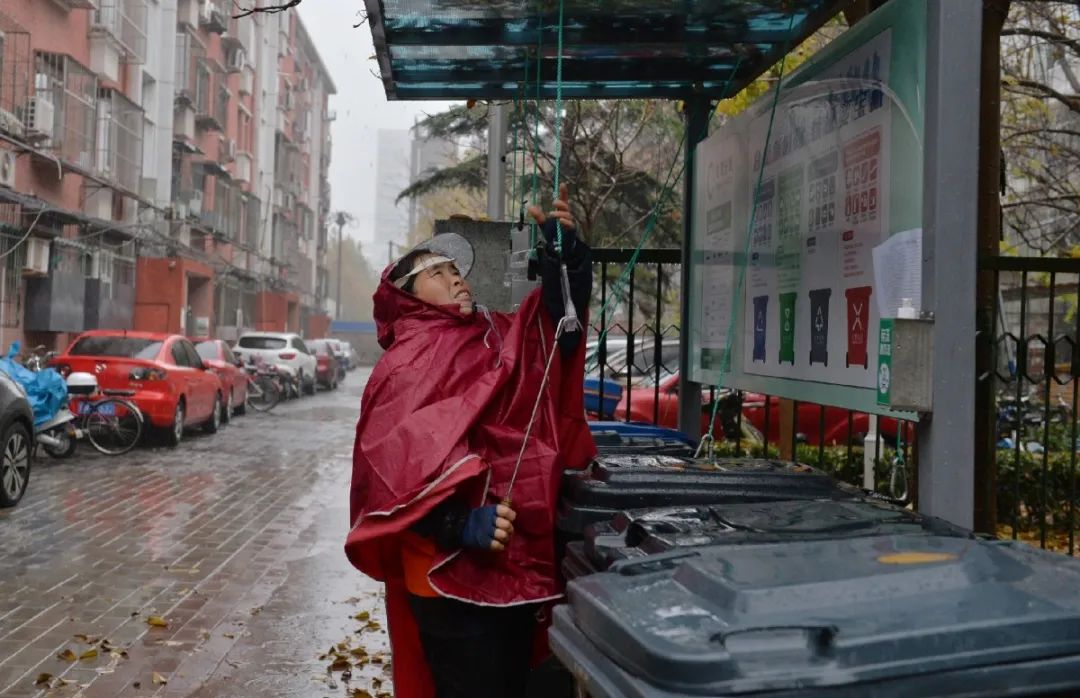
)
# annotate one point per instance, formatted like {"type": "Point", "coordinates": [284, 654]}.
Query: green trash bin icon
{"type": "Point", "coordinates": [787, 327]}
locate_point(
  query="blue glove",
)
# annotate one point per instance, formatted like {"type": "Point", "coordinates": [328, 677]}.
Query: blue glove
{"type": "Point", "coordinates": [479, 530]}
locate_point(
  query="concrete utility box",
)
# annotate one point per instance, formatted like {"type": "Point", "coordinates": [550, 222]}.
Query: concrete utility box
{"type": "Point", "coordinates": [492, 244]}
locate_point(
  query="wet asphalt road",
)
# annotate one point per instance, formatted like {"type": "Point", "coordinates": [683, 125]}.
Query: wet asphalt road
{"type": "Point", "coordinates": [233, 542]}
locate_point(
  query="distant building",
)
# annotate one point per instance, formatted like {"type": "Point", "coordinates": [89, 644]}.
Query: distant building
{"type": "Point", "coordinates": [163, 167]}
{"type": "Point", "coordinates": [393, 174]}
{"type": "Point", "coordinates": [403, 157]}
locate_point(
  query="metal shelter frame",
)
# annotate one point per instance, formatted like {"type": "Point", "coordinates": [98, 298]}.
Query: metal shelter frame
{"type": "Point", "coordinates": [444, 49]}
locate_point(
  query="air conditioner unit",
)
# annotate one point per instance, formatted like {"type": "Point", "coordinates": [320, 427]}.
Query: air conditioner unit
{"type": "Point", "coordinates": [195, 204]}
{"type": "Point", "coordinates": [206, 12]}
{"type": "Point", "coordinates": [7, 168]}
{"type": "Point", "coordinates": [40, 117]}
{"type": "Point", "coordinates": [101, 265]}
{"type": "Point", "coordinates": [230, 149]}
{"type": "Point", "coordinates": [237, 61]}
{"type": "Point", "coordinates": [37, 256]}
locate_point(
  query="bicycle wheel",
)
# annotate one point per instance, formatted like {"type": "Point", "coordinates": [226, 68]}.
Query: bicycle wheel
{"type": "Point", "coordinates": [113, 426]}
{"type": "Point", "coordinates": [263, 394]}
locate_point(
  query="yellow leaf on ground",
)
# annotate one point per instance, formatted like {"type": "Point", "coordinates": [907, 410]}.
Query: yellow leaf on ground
{"type": "Point", "coordinates": [157, 622]}
{"type": "Point", "coordinates": [340, 665]}
{"type": "Point", "coordinates": [42, 679]}
{"type": "Point", "coordinates": [159, 680]}
{"type": "Point", "coordinates": [88, 654]}
{"type": "Point", "coordinates": [362, 616]}
{"type": "Point", "coordinates": [67, 655]}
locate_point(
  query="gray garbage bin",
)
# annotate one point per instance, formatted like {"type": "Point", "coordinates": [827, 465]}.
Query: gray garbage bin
{"type": "Point", "coordinates": [883, 616]}
{"type": "Point", "coordinates": [618, 482]}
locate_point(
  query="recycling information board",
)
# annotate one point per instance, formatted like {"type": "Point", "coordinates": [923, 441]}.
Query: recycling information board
{"type": "Point", "coordinates": [789, 207]}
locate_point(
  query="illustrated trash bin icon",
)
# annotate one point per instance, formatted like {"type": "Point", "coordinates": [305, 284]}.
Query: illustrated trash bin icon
{"type": "Point", "coordinates": [761, 307]}
{"type": "Point", "coordinates": [787, 327]}
{"type": "Point", "coordinates": [819, 326]}
{"type": "Point", "coordinates": [858, 321]}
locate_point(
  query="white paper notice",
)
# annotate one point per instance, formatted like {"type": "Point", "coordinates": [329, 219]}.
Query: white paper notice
{"type": "Point", "coordinates": [898, 272]}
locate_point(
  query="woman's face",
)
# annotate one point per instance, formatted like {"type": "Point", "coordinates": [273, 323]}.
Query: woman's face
{"type": "Point", "coordinates": [442, 284]}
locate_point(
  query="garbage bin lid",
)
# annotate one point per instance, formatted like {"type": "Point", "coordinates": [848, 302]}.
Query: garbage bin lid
{"type": "Point", "coordinates": [737, 620]}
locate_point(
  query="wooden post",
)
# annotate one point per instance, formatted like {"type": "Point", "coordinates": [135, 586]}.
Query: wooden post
{"type": "Point", "coordinates": [994, 15]}
{"type": "Point", "coordinates": [787, 429]}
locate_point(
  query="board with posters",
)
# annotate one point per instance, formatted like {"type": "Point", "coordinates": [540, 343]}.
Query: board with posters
{"type": "Point", "coordinates": [789, 206]}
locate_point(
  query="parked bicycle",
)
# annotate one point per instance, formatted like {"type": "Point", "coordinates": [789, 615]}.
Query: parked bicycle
{"type": "Point", "coordinates": [266, 386]}
{"type": "Point", "coordinates": [110, 423]}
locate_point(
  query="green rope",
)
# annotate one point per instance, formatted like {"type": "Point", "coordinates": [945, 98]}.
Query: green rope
{"type": "Point", "coordinates": [725, 365]}
{"type": "Point", "coordinates": [536, 133]}
{"type": "Point", "coordinates": [514, 148]}
{"type": "Point", "coordinates": [558, 125]}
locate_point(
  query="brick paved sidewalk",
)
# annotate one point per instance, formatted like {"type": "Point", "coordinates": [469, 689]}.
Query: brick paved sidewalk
{"type": "Point", "coordinates": [235, 540]}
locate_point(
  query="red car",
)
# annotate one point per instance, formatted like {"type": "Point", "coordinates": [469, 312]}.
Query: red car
{"type": "Point", "coordinates": [327, 363]}
{"type": "Point", "coordinates": [161, 373]}
{"type": "Point", "coordinates": [643, 398]}
{"type": "Point", "coordinates": [216, 354]}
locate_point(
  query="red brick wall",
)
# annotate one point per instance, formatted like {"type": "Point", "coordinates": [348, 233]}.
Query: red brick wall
{"type": "Point", "coordinates": [318, 327]}
{"type": "Point", "coordinates": [161, 293]}
{"type": "Point", "coordinates": [273, 312]}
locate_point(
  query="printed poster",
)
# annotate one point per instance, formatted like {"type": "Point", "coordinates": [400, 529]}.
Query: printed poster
{"type": "Point", "coordinates": [809, 312]}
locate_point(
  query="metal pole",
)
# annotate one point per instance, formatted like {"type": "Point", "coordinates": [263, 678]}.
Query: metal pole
{"type": "Point", "coordinates": [697, 119]}
{"type": "Point", "coordinates": [340, 254]}
{"type": "Point", "coordinates": [950, 237]}
{"type": "Point", "coordinates": [498, 118]}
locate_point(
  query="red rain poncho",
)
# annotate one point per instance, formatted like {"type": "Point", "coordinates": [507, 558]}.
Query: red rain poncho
{"type": "Point", "coordinates": [444, 413]}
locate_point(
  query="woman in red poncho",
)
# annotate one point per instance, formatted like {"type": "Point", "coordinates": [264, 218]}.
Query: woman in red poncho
{"type": "Point", "coordinates": [468, 564]}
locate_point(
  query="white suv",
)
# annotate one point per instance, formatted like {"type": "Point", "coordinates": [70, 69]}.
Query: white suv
{"type": "Point", "coordinates": [283, 349]}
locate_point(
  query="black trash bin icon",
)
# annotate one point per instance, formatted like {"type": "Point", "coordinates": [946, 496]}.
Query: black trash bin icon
{"type": "Point", "coordinates": [761, 307]}
{"type": "Point", "coordinates": [819, 326]}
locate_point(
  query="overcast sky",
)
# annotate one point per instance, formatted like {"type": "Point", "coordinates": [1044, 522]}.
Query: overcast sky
{"type": "Point", "coordinates": [360, 103]}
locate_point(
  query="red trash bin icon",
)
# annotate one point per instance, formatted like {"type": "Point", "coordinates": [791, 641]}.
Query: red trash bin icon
{"type": "Point", "coordinates": [858, 322]}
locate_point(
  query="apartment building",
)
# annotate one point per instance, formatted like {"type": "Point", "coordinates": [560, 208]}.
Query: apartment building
{"type": "Point", "coordinates": [162, 167]}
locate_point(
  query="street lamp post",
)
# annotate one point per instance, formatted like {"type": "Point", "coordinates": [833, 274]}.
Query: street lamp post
{"type": "Point", "coordinates": [341, 220]}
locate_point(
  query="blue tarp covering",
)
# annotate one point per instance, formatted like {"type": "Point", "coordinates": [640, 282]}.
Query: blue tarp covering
{"type": "Point", "coordinates": [45, 389]}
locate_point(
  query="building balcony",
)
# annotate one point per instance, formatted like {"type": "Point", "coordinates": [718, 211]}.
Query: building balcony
{"type": "Point", "coordinates": [118, 36]}
{"type": "Point", "coordinates": [119, 147]}
{"type": "Point", "coordinates": [212, 18]}
{"type": "Point", "coordinates": [61, 114]}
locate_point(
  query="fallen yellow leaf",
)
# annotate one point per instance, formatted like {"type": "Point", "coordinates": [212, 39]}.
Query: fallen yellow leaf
{"type": "Point", "coordinates": [88, 654]}
{"type": "Point", "coordinates": [157, 622]}
{"type": "Point", "coordinates": [362, 616]}
{"type": "Point", "coordinates": [43, 678]}
{"type": "Point", "coordinates": [340, 665]}
{"type": "Point", "coordinates": [67, 655]}
{"type": "Point", "coordinates": [159, 680]}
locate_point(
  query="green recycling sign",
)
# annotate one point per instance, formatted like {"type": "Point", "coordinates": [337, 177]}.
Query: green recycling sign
{"type": "Point", "coordinates": [884, 373]}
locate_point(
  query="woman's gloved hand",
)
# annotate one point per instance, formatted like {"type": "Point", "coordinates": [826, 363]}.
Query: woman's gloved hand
{"type": "Point", "coordinates": [548, 221]}
{"type": "Point", "coordinates": [489, 528]}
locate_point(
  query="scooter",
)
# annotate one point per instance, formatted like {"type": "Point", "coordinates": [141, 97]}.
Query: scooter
{"type": "Point", "coordinates": [58, 436]}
